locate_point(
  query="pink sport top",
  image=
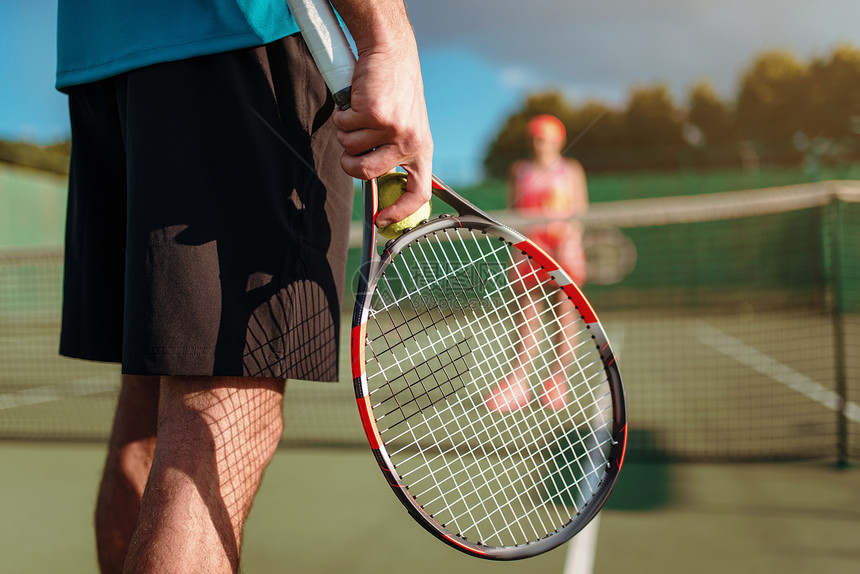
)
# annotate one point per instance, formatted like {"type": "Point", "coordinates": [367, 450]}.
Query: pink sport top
{"type": "Point", "coordinates": [546, 193]}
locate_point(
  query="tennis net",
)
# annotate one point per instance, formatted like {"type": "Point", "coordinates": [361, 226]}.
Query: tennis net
{"type": "Point", "coordinates": [736, 317]}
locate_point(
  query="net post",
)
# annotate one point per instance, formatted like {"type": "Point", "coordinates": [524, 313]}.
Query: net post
{"type": "Point", "coordinates": [833, 239]}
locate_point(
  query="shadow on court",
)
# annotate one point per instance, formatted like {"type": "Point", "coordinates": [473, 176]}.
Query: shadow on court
{"type": "Point", "coordinates": [641, 486]}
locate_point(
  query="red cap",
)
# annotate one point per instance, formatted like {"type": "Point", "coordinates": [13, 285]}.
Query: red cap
{"type": "Point", "coordinates": [547, 127]}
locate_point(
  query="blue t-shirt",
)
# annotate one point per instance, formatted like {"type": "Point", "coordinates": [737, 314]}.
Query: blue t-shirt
{"type": "Point", "coordinates": [97, 39]}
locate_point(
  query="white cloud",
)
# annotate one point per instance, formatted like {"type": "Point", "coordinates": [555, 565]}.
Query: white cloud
{"type": "Point", "coordinates": [517, 78]}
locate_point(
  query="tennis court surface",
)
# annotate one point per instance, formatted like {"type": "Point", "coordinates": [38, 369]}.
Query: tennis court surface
{"type": "Point", "coordinates": [327, 510]}
{"type": "Point", "coordinates": [736, 317]}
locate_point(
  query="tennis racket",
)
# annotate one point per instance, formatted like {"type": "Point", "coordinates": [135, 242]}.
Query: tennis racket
{"type": "Point", "coordinates": [485, 383]}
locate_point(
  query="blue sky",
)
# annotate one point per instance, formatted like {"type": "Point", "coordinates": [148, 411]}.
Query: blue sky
{"type": "Point", "coordinates": [480, 58]}
{"type": "Point", "coordinates": [29, 106]}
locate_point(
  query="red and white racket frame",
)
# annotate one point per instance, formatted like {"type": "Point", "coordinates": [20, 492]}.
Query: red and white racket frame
{"type": "Point", "coordinates": [373, 266]}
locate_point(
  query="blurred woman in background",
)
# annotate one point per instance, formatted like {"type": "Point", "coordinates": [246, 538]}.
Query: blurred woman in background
{"type": "Point", "coordinates": [551, 189]}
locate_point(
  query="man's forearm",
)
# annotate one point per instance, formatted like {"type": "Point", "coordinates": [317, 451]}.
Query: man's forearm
{"type": "Point", "coordinates": [376, 24]}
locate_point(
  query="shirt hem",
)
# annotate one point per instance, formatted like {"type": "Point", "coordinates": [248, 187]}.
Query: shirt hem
{"type": "Point", "coordinates": [68, 77]}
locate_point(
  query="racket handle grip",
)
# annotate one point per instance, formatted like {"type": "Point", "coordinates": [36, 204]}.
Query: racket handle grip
{"type": "Point", "coordinates": [328, 45]}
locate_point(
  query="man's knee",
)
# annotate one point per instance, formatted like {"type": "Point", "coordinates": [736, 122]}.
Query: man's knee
{"type": "Point", "coordinates": [239, 416]}
{"type": "Point", "coordinates": [217, 437]}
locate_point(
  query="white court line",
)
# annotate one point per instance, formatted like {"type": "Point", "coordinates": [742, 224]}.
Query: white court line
{"type": "Point", "coordinates": [770, 367]}
{"type": "Point", "coordinates": [582, 549]}
{"type": "Point", "coordinates": [48, 393]}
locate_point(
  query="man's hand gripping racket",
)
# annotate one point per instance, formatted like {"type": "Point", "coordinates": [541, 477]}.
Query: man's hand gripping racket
{"type": "Point", "coordinates": [485, 382]}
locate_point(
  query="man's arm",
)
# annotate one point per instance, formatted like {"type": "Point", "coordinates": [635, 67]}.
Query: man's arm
{"type": "Point", "coordinates": [388, 114]}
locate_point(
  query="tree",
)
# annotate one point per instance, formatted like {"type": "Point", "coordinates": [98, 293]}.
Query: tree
{"type": "Point", "coordinates": [651, 118]}
{"type": "Point", "coordinates": [773, 102]}
{"type": "Point", "coordinates": [784, 106]}
{"type": "Point", "coordinates": [593, 126]}
{"type": "Point", "coordinates": [835, 95]}
{"type": "Point", "coordinates": [651, 133]}
{"type": "Point", "coordinates": [711, 115]}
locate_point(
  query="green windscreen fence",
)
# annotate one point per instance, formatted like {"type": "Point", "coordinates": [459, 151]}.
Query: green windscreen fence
{"type": "Point", "coordinates": [736, 317]}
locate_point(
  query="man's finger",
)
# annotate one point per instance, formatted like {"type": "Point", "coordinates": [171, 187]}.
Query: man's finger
{"type": "Point", "coordinates": [372, 163]}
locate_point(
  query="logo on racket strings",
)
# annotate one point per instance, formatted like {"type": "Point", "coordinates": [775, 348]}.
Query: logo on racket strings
{"type": "Point", "coordinates": [446, 285]}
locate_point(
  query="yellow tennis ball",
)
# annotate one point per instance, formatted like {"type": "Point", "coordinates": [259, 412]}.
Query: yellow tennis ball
{"type": "Point", "coordinates": [391, 186]}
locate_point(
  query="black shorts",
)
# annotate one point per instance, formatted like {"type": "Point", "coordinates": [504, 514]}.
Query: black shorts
{"type": "Point", "coordinates": [207, 218]}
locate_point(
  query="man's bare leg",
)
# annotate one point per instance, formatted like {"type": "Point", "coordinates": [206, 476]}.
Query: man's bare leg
{"type": "Point", "coordinates": [513, 392]}
{"type": "Point", "coordinates": [215, 437]}
{"type": "Point", "coordinates": [130, 451]}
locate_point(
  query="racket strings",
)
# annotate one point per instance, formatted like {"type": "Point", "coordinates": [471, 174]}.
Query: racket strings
{"type": "Point", "coordinates": [521, 453]}
{"type": "Point", "coordinates": [438, 320]}
{"type": "Point", "coordinates": [506, 474]}
{"type": "Point", "coordinates": [490, 489]}
{"type": "Point", "coordinates": [436, 393]}
{"type": "Point", "coordinates": [450, 438]}
{"type": "Point", "coordinates": [430, 461]}
{"type": "Point", "coordinates": [559, 322]}
{"type": "Point", "coordinates": [483, 451]}
{"type": "Point", "coordinates": [518, 482]}
{"type": "Point", "coordinates": [576, 357]}
{"type": "Point", "coordinates": [463, 288]}
{"type": "Point", "coordinates": [479, 365]}
{"type": "Point", "coordinates": [508, 315]}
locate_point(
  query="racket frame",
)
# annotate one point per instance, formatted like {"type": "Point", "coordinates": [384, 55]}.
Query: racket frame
{"type": "Point", "coordinates": [372, 269]}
